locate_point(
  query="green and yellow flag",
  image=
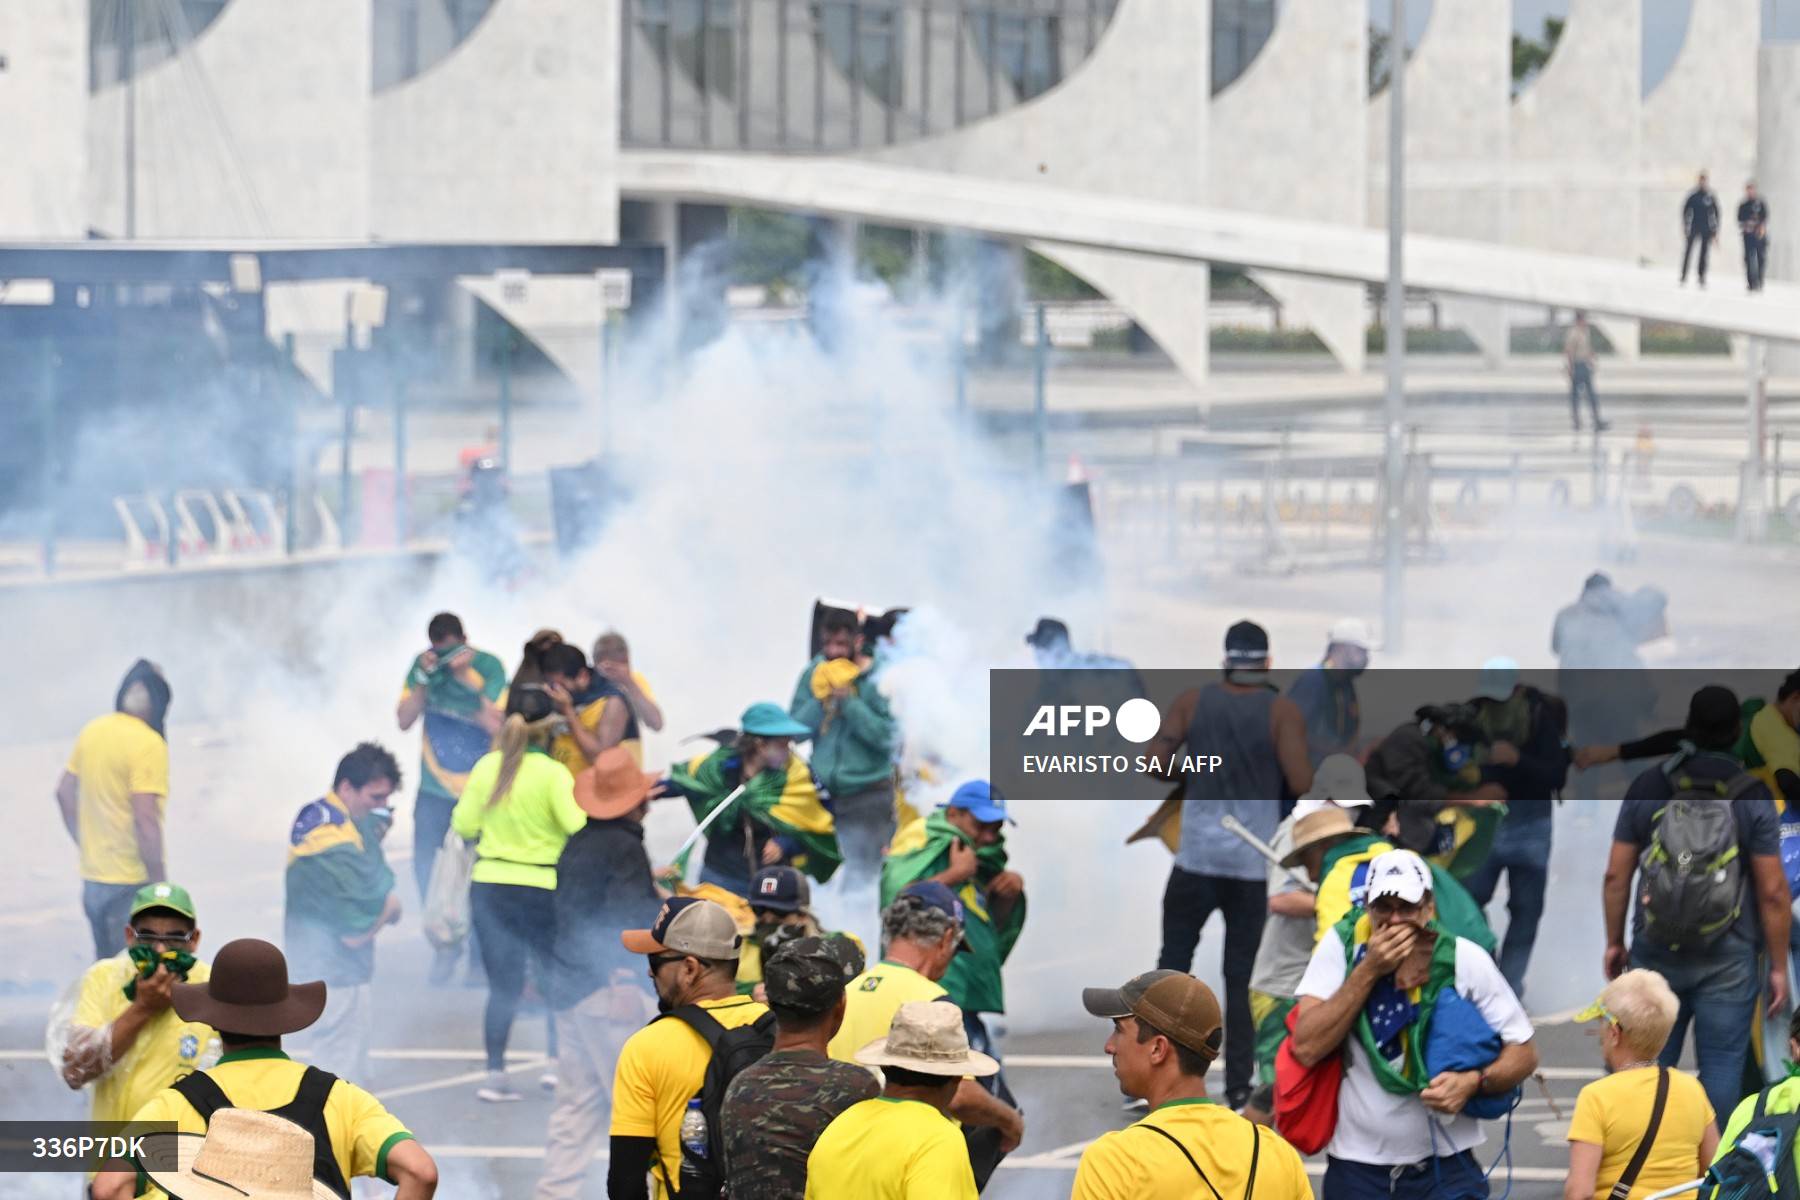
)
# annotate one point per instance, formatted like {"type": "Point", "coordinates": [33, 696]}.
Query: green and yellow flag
{"type": "Point", "coordinates": [787, 803]}
{"type": "Point", "coordinates": [921, 849]}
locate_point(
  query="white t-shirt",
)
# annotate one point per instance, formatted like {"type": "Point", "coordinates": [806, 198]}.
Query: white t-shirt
{"type": "Point", "coordinates": [1376, 1126]}
{"type": "Point", "coordinates": [1287, 942]}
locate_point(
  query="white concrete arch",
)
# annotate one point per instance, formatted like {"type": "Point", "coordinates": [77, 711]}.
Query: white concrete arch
{"type": "Point", "coordinates": [256, 128]}
{"type": "Point", "coordinates": [1702, 116]}
{"type": "Point", "coordinates": [1091, 132]}
{"type": "Point", "coordinates": [1459, 97]}
{"type": "Point", "coordinates": [458, 157]}
{"type": "Point", "coordinates": [1306, 93]}
{"type": "Point", "coordinates": [1575, 145]}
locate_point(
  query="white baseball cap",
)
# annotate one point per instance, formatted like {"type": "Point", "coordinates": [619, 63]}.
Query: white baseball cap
{"type": "Point", "coordinates": [1401, 874]}
{"type": "Point", "coordinates": [1350, 631]}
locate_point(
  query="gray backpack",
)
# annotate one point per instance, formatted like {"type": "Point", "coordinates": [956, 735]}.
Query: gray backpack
{"type": "Point", "coordinates": [1691, 876]}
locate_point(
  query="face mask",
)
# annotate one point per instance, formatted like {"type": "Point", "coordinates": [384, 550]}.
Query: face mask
{"type": "Point", "coordinates": [147, 958]}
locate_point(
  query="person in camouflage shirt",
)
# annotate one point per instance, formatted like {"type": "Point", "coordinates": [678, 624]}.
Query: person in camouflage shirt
{"type": "Point", "coordinates": [775, 1110]}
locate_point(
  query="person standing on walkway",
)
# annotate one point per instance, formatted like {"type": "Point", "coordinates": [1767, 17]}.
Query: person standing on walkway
{"type": "Point", "coordinates": [1166, 1034]}
{"type": "Point", "coordinates": [903, 1145]}
{"type": "Point", "coordinates": [1709, 933]}
{"type": "Point", "coordinates": [250, 1001]}
{"type": "Point", "coordinates": [113, 794]}
{"type": "Point", "coordinates": [1753, 223]}
{"type": "Point", "coordinates": [1526, 732]}
{"type": "Point", "coordinates": [776, 1108]}
{"type": "Point", "coordinates": [854, 740]}
{"type": "Point", "coordinates": [460, 692]}
{"type": "Point", "coordinates": [340, 894]}
{"type": "Point", "coordinates": [1261, 736]}
{"type": "Point", "coordinates": [1580, 362]}
{"type": "Point", "coordinates": [125, 1037]}
{"type": "Point", "coordinates": [604, 886]}
{"type": "Point", "coordinates": [1699, 226]}
{"type": "Point", "coordinates": [520, 803]}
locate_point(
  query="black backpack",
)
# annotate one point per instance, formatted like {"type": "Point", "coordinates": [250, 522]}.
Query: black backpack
{"type": "Point", "coordinates": [1690, 876]}
{"type": "Point", "coordinates": [732, 1051]}
{"type": "Point", "coordinates": [1760, 1164]}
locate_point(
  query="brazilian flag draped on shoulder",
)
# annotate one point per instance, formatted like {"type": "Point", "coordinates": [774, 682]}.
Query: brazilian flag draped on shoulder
{"type": "Point", "coordinates": [920, 850]}
{"type": "Point", "coordinates": [1345, 877]}
{"type": "Point", "coordinates": [789, 803]}
{"type": "Point", "coordinates": [1393, 1025]}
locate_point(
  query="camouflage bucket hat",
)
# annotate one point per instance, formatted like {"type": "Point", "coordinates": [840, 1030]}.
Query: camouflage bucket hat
{"type": "Point", "coordinates": [809, 973]}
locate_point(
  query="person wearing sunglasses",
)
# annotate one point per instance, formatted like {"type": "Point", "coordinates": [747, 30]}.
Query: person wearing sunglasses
{"type": "Point", "coordinates": [124, 1036]}
{"type": "Point", "coordinates": [1642, 1125]}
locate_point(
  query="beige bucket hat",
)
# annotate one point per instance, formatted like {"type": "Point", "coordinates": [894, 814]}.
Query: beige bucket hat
{"type": "Point", "coordinates": [927, 1036]}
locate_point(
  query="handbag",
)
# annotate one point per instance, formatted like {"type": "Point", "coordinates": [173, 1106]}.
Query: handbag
{"type": "Point", "coordinates": [446, 916]}
{"type": "Point", "coordinates": [1306, 1098]}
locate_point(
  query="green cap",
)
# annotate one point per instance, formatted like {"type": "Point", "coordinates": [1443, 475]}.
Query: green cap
{"type": "Point", "coordinates": [164, 895]}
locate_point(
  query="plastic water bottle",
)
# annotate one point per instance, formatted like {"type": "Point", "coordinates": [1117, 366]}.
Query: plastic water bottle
{"type": "Point", "coordinates": [693, 1142]}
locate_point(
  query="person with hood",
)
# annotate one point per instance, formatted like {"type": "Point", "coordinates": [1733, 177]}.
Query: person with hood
{"type": "Point", "coordinates": [779, 812]}
{"type": "Point", "coordinates": [1326, 693]}
{"type": "Point", "coordinates": [963, 846]}
{"type": "Point", "coordinates": [854, 740]}
{"type": "Point", "coordinates": [113, 794]}
{"type": "Point", "coordinates": [1423, 772]}
{"type": "Point", "coordinates": [1526, 732]}
{"type": "Point", "coordinates": [1596, 643]}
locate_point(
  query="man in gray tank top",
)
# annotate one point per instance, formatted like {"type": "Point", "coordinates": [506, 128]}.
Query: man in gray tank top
{"type": "Point", "coordinates": [1261, 736]}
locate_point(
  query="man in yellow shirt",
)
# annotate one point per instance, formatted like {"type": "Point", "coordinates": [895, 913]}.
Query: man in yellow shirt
{"type": "Point", "coordinates": [1167, 1030]}
{"type": "Point", "coordinates": [249, 1001]}
{"type": "Point", "coordinates": [923, 932]}
{"type": "Point", "coordinates": [693, 950]}
{"type": "Point", "coordinates": [902, 1145]}
{"type": "Point", "coordinates": [125, 1038]}
{"type": "Point", "coordinates": [112, 794]}
{"type": "Point", "coordinates": [1613, 1114]}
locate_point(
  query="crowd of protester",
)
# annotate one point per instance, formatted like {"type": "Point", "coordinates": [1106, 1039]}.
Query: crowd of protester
{"type": "Point", "coordinates": [716, 1040]}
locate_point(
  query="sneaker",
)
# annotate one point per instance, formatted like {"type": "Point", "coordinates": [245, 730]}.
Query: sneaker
{"type": "Point", "coordinates": [498, 1089]}
{"type": "Point", "coordinates": [1602, 426]}
{"type": "Point", "coordinates": [547, 1081]}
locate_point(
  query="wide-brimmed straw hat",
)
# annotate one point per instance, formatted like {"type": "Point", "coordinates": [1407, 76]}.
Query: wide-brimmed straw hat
{"type": "Point", "coordinates": [927, 1036]}
{"type": "Point", "coordinates": [249, 993]}
{"type": "Point", "coordinates": [245, 1154]}
{"type": "Point", "coordinates": [1328, 825]}
{"type": "Point", "coordinates": [613, 786]}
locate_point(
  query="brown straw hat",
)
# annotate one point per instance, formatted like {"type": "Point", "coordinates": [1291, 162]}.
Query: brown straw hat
{"type": "Point", "coordinates": [1329, 825]}
{"type": "Point", "coordinates": [245, 1155]}
{"type": "Point", "coordinates": [248, 993]}
{"type": "Point", "coordinates": [613, 786]}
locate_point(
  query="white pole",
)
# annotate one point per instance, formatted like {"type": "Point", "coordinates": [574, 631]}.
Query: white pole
{"type": "Point", "coordinates": [1394, 550]}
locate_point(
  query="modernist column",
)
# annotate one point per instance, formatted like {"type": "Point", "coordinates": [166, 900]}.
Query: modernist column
{"type": "Point", "coordinates": [43, 92]}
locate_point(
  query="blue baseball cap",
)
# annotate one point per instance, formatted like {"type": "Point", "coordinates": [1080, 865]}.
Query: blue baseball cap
{"type": "Point", "coordinates": [936, 895]}
{"type": "Point", "coordinates": [768, 719]}
{"type": "Point", "coordinates": [981, 800]}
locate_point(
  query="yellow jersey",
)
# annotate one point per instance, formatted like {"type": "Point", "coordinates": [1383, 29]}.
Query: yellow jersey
{"type": "Point", "coordinates": [872, 999]}
{"type": "Point", "coordinates": [116, 757]}
{"type": "Point", "coordinates": [166, 1048]}
{"type": "Point", "coordinates": [262, 1077]}
{"type": "Point", "coordinates": [1613, 1113]}
{"type": "Point", "coordinates": [887, 1149]}
{"type": "Point", "coordinates": [661, 1068]}
{"type": "Point", "coordinates": [1141, 1164]}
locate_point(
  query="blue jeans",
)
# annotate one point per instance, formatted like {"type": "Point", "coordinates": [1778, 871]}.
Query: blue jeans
{"type": "Point", "coordinates": [1718, 991]}
{"type": "Point", "coordinates": [1453, 1177]}
{"type": "Point", "coordinates": [1522, 850]}
{"type": "Point", "coordinates": [108, 907]}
